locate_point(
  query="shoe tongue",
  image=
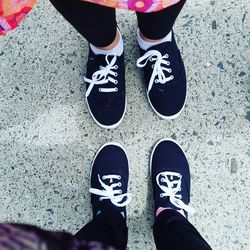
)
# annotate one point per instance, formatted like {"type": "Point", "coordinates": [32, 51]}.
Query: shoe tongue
{"type": "Point", "coordinates": [95, 61]}
{"type": "Point", "coordinates": [102, 59]}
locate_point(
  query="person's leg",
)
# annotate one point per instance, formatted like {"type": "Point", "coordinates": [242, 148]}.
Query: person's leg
{"type": "Point", "coordinates": [171, 190]}
{"type": "Point", "coordinates": [97, 24]}
{"type": "Point", "coordinates": [157, 25]}
{"type": "Point", "coordinates": [105, 74]}
{"type": "Point", "coordinates": [108, 227]}
{"type": "Point", "coordinates": [173, 231]}
{"type": "Point", "coordinates": [109, 197]}
{"type": "Point", "coordinates": [164, 70]}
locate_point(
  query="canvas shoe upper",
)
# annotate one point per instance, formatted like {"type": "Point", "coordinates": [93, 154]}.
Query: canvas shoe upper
{"type": "Point", "coordinates": [170, 176]}
{"type": "Point", "coordinates": [109, 179]}
{"type": "Point", "coordinates": [105, 89]}
{"type": "Point", "coordinates": [165, 78]}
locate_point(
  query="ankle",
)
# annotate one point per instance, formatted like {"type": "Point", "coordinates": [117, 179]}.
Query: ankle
{"type": "Point", "coordinates": [161, 209]}
{"type": "Point", "coordinates": [99, 212]}
{"type": "Point", "coordinates": [114, 43]}
{"type": "Point", "coordinates": [115, 48]}
{"type": "Point", "coordinates": [147, 39]}
{"type": "Point", "coordinates": [145, 43]}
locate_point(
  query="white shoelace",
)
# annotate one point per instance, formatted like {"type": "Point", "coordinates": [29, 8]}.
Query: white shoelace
{"type": "Point", "coordinates": [102, 76]}
{"type": "Point", "coordinates": [158, 67]}
{"type": "Point", "coordinates": [115, 196]}
{"type": "Point", "coordinates": [173, 185]}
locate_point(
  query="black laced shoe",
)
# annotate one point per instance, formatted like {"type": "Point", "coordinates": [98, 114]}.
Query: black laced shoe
{"type": "Point", "coordinates": [170, 176]}
{"type": "Point", "coordinates": [105, 89]}
{"type": "Point", "coordinates": [165, 78]}
{"type": "Point", "coordinates": [109, 180]}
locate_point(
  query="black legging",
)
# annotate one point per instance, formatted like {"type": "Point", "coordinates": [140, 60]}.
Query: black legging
{"type": "Point", "coordinates": [171, 231]}
{"type": "Point", "coordinates": [98, 23]}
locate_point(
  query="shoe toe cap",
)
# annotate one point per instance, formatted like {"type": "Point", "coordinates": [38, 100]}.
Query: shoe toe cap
{"type": "Point", "coordinates": [107, 113]}
{"type": "Point", "coordinates": [168, 101]}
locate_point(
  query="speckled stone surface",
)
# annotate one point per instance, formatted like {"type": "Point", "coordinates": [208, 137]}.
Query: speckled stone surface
{"type": "Point", "coordinates": [48, 139]}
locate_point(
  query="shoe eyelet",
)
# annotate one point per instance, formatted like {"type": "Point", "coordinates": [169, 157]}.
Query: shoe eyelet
{"type": "Point", "coordinates": [115, 74]}
{"type": "Point", "coordinates": [116, 89]}
{"type": "Point", "coordinates": [101, 67]}
{"type": "Point", "coordinates": [100, 90]}
{"type": "Point", "coordinates": [162, 179]}
{"type": "Point", "coordinates": [156, 81]}
{"type": "Point", "coordinates": [167, 56]}
{"type": "Point", "coordinates": [151, 59]}
{"type": "Point", "coordinates": [120, 191]}
{"type": "Point", "coordinates": [119, 177]}
{"type": "Point", "coordinates": [152, 66]}
{"type": "Point", "coordinates": [116, 81]}
{"type": "Point", "coordinates": [161, 195]}
{"type": "Point", "coordinates": [116, 66]}
{"type": "Point", "coordinates": [168, 63]}
{"type": "Point", "coordinates": [170, 71]}
{"type": "Point", "coordinates": [172, 77]}
{"type": "Point", "coordinates": [119, 184]}
{"type": "Point", "coordinates": [100, 199]}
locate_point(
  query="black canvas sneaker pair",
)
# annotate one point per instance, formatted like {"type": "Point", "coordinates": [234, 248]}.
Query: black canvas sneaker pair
{"type": "Point", "coordinates": [169, 172]}
{"type": "Point", "coordinates": [165, 81]}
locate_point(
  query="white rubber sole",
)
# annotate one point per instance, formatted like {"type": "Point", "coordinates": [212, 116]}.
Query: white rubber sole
{"type": "Point", "coordinates": [113, 126]}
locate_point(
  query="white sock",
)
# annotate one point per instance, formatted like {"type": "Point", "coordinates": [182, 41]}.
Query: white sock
{"type": "Point", "coordinates": [117, 50]}
{"type": "Point", "coordinates": [145, 45]}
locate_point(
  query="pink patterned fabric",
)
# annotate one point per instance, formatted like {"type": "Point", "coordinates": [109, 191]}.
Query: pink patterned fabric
{"type": "Point", "coordinates": [136, 5]}
{"type": "Point", "coordinates": [12, 12]}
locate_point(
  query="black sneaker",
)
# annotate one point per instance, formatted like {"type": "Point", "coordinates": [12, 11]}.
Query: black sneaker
{"type": "Point", "coordinates": [165, 78]}
{"type": "Point", "coordinates": [170, 176]}
{"type": "Point", "coordinates": [109, 180]}
{"type": "Point", "coordinates": [105, 89]}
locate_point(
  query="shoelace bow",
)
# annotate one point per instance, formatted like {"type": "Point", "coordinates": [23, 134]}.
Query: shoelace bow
{"type": "Point", "coordinates": [102, 76]}
{"type": "Point", "coordinates": [172, 188]}
{"type": "Point", "coordinates": [158, 67]}
{"type": "Point", "coordinates": [115, 196]}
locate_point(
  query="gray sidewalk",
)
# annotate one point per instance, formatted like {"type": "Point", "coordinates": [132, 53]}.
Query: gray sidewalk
{"type": "Point", "coordinates": [48, 139]}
